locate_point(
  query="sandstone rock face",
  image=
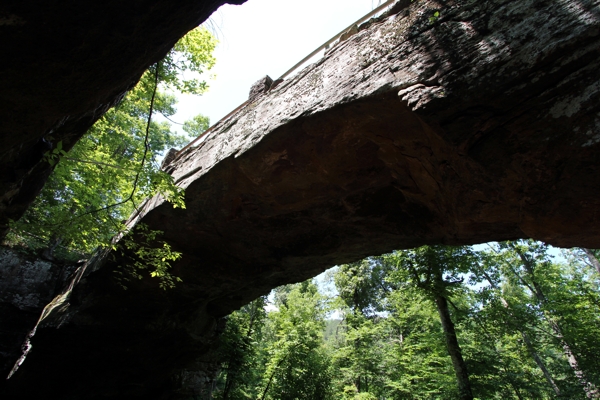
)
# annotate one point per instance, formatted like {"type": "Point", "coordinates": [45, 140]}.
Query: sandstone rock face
{"type": "Point", "coordinates": [480, 124]}
{"type": "Point", "coordinates": [63, 65]}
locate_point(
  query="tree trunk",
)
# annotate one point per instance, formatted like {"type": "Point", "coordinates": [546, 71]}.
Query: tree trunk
{"type": "Point", "coordinates": [228, 383]}
{"type": "Point", "coordinates": [540, 364]}
{"type": "Point", "coordinates": [230, 380]}
{"type": "Point", "coordinates": [460, 368]}
{"type": "Point", "coordinates": [48, 252]}
{"type": "Point", "coordinates": [514, 387]}
{"type": "Point", "coordinates": [589, 388]}
{"type": "Point", "coordinates": [528, 343]}
{"type": "Point", "coordinates": [593, 259]}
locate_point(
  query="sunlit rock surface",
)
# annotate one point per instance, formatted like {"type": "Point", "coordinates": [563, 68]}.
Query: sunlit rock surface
{"type": "Point", "coordinates": [481, 124]}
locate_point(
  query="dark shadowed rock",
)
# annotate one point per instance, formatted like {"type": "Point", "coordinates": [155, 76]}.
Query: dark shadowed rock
{"type": "Point", "coordinates": [482, 124]}
{"type": "Point", "coordinates": [27, 284]}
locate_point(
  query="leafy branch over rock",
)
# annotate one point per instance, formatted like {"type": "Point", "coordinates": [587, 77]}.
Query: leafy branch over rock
{"type": "Point", "coordinates": [145, 252]}
{"type": "Point", "coordinates": [116, 165]}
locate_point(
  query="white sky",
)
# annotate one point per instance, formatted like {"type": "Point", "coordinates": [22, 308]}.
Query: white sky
{"type": "Point", "coordinates": [265, 37]}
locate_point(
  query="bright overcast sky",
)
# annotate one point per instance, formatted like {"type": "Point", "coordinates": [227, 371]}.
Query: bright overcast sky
{"type": "Point", "coordinates": [265, 37]}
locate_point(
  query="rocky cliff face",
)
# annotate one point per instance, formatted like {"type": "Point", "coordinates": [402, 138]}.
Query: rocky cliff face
{"type": "Point", "coordinates": [63, 65]}
{"type": "Point", "coordinates": [27, 284]}
{"type": "Point", "coordinates": [481, 123]}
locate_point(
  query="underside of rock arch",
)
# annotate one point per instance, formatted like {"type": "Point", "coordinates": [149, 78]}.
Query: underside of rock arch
{"type": "Point", "coordinates": [479, 124]}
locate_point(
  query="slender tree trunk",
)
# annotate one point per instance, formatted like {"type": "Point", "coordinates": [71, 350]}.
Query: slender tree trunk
{"type": "Point", "coordinates": [264, 395]}
{"type": "Point", "coordinates": [460, 368]}
{"type": "Point", "coordinates": [213, 386]}
{"type": "Point", "coordinates": [228, 383]}
{"type": "Point", "coordinates": [48, 252]}
{"type": "Point", "coordinates": [514, 387]}
{"type": "Point", "coordinates": [589, 388]}
{"type": "Point", "coordinates": [592, 259]}
{"type": "Point", "coordinates": [528, 343]}
{"type": "Point", "coordinates": [504, 365]}
{"type": "Point", "coordinates": [230, 380]}
{"type": "Point", "coordinates": [540, 364]}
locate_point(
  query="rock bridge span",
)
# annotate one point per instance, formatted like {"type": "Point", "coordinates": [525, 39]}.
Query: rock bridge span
{"type": "Point", "coordinates": [410, 132]}
{"type": "Point", "coordinates": [478, 124]}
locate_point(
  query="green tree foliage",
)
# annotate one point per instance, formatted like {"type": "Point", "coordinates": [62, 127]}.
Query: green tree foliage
{"type": "Point", "coordinates": [417, 360]}
{"type": "Point", "coordinates": [143, 251]}
{"type": "Point", "coordinates": [525, 323]}
{"type": "Point", "coordinates": [553, 294]}
{"type": "Point", "coordinates": [298, 365]}
{"type": "Point", "coordinates": [437, 271]}
{"type": "Point", "coordinates": [279, 355]}
{"type": "Point", "coordinates": [362, 286]}
{"type": "Point", "coordinates": [357, 350]}
{"type": "Point", "coordinates": [593, 255]}
{"type": "Point", "coordinates": [505, 335]}
{"type": "Point", "coordinates": [115, 166]}
{"type": "Point", "coordinates": [241, 351]}
{"type": "Point", "coordinates": [196, 126]}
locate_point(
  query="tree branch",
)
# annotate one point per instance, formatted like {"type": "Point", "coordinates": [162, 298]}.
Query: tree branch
{"type": "Point", "coordinates": [146, 148]}
{"type": "Point", "coordinates": [98, 163]}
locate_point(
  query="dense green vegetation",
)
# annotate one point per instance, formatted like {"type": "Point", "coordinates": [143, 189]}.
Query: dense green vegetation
{"type": "Point", "coordinates": [501, 321]}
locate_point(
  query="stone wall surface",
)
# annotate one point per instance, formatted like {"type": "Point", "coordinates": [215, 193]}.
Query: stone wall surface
{"type": "Point", "coordinates": [480, 124]}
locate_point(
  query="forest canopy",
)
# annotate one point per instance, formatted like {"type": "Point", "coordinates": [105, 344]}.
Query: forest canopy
{"type": "Point", "coordinates": [509, 320]}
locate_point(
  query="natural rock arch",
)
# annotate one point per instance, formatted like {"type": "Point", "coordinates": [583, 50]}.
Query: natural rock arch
{"type": "Point", "coordinates": [481, 124]}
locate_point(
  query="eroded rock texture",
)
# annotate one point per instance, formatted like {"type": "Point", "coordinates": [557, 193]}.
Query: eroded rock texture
{"type": "Point", "coordinates": [64, 63]}
{"type": "Point", "coordinates": [482, 124]}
